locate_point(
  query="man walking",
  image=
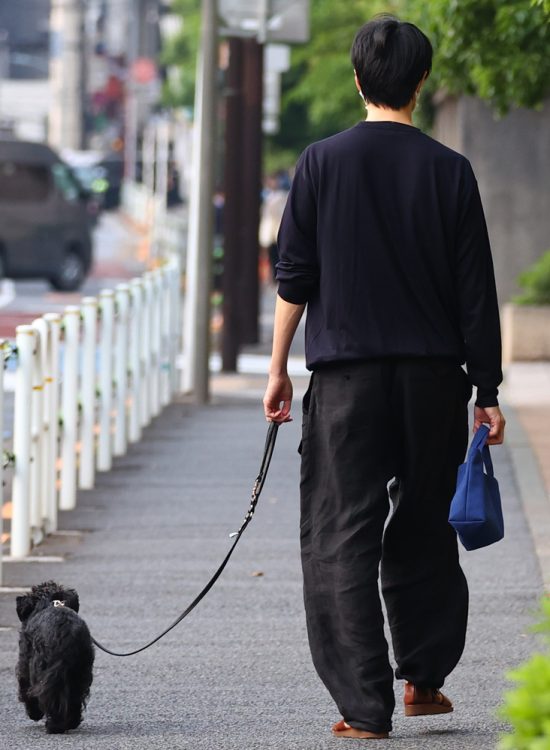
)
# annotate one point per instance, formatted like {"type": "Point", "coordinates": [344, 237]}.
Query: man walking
{"type": "Point", "coordinates": [384, 239]}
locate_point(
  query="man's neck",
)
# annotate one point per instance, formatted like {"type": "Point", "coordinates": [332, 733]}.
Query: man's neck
{"type": "Point", "coordinates": [385, 114]}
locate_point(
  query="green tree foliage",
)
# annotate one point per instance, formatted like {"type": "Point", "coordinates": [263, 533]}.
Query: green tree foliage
{"type": "Point", "coordinates": [527, 706]}
{"type": "Point", "coordinates": [535, 282]}
{"type": "Point", "coordinates": [494, 49]}
{"type": "Point", "coordinates": [181, 52]}
{"type": "Point", "coordinates": [545, 4]}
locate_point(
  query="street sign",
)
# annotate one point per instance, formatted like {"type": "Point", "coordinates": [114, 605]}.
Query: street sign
{"type": "Point", "coordinates": [276, 62]}
{"type": "Point", "coordinates": [143, 70]}
{"type": "Point", "coordinates": [268, 20]}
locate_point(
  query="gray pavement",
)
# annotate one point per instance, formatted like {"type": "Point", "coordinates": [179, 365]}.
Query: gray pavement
{"type": "Point", "coordinates": [237, 673]}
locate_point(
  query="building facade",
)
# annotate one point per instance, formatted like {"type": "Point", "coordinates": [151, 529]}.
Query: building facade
{"type": "Point", "coordinates": [511, 159]}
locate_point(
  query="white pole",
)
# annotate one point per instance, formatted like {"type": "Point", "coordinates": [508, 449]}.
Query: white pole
{"type": "Point", "coordinates": [43, 328]}
{"type": "Point", "coordinates": [175, 334]}
{"type": "Point", "coordinates": [155, 342]}
{"type": "Point", "coordinates": [199, 254]}
{"type": "Point", "coordinates": [136, 293]}
{"type": "Point", "coordinates": [105, 450]}
{"type": "Point", "coordinates": [145, 402]}
{"type": "Point", "coordinates": [121, 369]}
{"type": "Point", "coordinates": [69, 408]}
{"type": "Point", "coordinates": [37, 427]}
{"type": "Point", "coordinates": [88, 394]}
{"type": "Point", "coordinates": [166, 314]}
{"type": "Point", "coordinates": [50, 486]}
{"type": "Point", "coordinates": [20, 523]}
{"type": "Point", "coordinates": [2, 364]}
{"type": "Point", "coordinates": [65, 114]}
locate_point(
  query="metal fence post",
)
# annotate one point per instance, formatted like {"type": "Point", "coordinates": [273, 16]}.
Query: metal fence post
{"type": "Point", "coordinates": [121, 368]}
{"type": "Point", "coordinates": [155, 342]}
{"type": "Point", "coordinates": [105, 449]}
{"type": "Point", "coordinates": [52, 407]}
{"type": "Point", "coordinates": [145, 395]}
{"type": "Point", "coordinates": [43, 424]}
{"type": "Point", "coordinates": [37, 430]}
{"type": "Point", "coordinates": [140, 347]}
{"type": "Point", "coordinates": [175, 324]}
{"type": "Point", "coordinates": [166, 314]}
{"type": "Point", "coordinates": [69, 408]}
{"type": "Point", "coordinates": [136, 293]}
{"type": "Point", "coordinates": [20, 522]}
{"type": "Point", "coordinates": [2, 363]}
{"type": "Point", "coordinates": [86, 474]}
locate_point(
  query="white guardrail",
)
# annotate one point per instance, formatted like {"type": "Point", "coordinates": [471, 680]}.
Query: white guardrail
{"type": "Point", "coordinates": [86, 383]}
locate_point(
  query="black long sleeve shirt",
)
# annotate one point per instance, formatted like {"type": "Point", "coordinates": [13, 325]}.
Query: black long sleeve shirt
{"type": "Point", "coordinates": [384, 237]}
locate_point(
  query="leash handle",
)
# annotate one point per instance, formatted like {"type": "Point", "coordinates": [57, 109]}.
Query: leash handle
{"type": "Point", "coordinates": [256, 491]}
{"type": "Point", "coordinates": [260, 479]}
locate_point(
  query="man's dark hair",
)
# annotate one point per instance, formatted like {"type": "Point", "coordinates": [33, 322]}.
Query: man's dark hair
{"type": "Point", "coordinates": [390, 57]}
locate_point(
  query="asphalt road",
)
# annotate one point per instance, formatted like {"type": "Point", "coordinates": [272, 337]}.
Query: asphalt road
{"type": "Point", "coordinates": [237, 673]}
{"type": "Point", "coordinates": [116, 247]}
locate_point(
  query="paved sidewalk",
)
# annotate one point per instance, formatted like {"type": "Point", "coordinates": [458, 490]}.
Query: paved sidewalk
{"type": "Point", "coordinates": [527, 389]}
{"type": "Point", "coordinates": [526, 397]}
{"type": "Point", "coordinates": [237, 674]}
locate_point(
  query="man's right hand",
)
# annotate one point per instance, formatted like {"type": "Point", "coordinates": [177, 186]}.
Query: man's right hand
{"type": "Point", "coordinates": [278, 399]}
{"type": "Point", "coordinates": [494, 418]}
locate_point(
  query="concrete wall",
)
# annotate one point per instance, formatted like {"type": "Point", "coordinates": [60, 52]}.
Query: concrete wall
{"type": "Point", "coordinates": [511, 159]}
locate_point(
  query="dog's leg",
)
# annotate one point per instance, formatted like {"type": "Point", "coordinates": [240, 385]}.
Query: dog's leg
{"type": "Point", "coordinates": [74, 714]}
{"type": "Point", "coordinates": [55, 724]}
{"type": "Point", "coordinates": [58, 723]}
{"type": "Point", "coordinates": [32, 706]}
{"type": "Point", "coordinates": [66, 710]}
{"type": "Point", "coordinates": [23, 676]}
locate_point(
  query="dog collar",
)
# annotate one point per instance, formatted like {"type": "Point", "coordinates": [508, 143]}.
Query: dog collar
{"type": "Point", "coordinates": [58, 603]}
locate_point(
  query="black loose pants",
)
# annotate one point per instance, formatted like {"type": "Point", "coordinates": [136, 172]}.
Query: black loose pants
{"type": "Point", "coordinates": [367, 426]}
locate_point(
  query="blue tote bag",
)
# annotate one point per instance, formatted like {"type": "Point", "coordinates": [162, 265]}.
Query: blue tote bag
{"type": "Point", "coordinates": [476, 510]}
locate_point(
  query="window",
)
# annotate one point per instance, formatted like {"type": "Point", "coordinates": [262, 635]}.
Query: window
{"type": "Point", "coordinates": [23, 183]}
{"type": "Point", "coordinates": [66, 182]}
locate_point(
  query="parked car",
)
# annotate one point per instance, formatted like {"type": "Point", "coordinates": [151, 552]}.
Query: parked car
{"type": "Point", "coordinates": [46, 217]}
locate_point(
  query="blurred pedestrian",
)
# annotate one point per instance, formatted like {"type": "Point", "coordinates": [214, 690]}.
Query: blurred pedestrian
{"type": "Point", "coordinates": [384, 239]}
{"type": "Point", "coordinates": [273, 205]}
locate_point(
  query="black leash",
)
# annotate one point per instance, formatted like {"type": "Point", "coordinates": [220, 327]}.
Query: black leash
{"type": "Point", "coordinates": [256, 491]}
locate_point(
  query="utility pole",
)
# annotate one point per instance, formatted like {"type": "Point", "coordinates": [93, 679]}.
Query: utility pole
{"type": "Point", "coordinates": [131, 113]}
{"type": "Point", "coordinates": [251, 187]}
{"type": "Point", "coordinates": [199, 254]}
{"type": "Point", "coordinates": [66, 115]}
{"type": "Point", "coordinates": [243, 178]}
{"type": "Point", "coordinates": [232, 215]}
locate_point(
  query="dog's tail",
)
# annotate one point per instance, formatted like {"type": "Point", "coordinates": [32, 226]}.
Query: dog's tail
{"type": "Point", "coordinates": [54, 689]}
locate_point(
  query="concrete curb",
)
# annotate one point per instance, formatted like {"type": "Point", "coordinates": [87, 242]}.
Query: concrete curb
{"type": "Point", "coordinates": [532, 490]}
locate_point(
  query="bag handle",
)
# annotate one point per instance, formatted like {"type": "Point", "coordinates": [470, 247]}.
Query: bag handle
{"type": "Point", "coordinates": [479, 443]}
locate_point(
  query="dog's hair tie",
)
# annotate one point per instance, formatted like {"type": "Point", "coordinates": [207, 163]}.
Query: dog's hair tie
{"type": "Point", "coordinates": [58, 603]}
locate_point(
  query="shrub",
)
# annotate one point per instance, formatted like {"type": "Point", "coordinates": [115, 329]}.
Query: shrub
{"type": "Point", "coordinates": [536, 283]}
{"type": "Point", "coordinates": [527, 706]}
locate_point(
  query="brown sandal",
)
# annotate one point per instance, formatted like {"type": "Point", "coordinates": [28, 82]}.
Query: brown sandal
{"type": "Point", "coordinates": [425, 701]}
{"type": "Point", "coordinates": [342, 729]}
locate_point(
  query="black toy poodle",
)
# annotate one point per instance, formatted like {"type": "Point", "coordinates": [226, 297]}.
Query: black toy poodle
{"type": "Point", "coordinates": [56, 657]}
